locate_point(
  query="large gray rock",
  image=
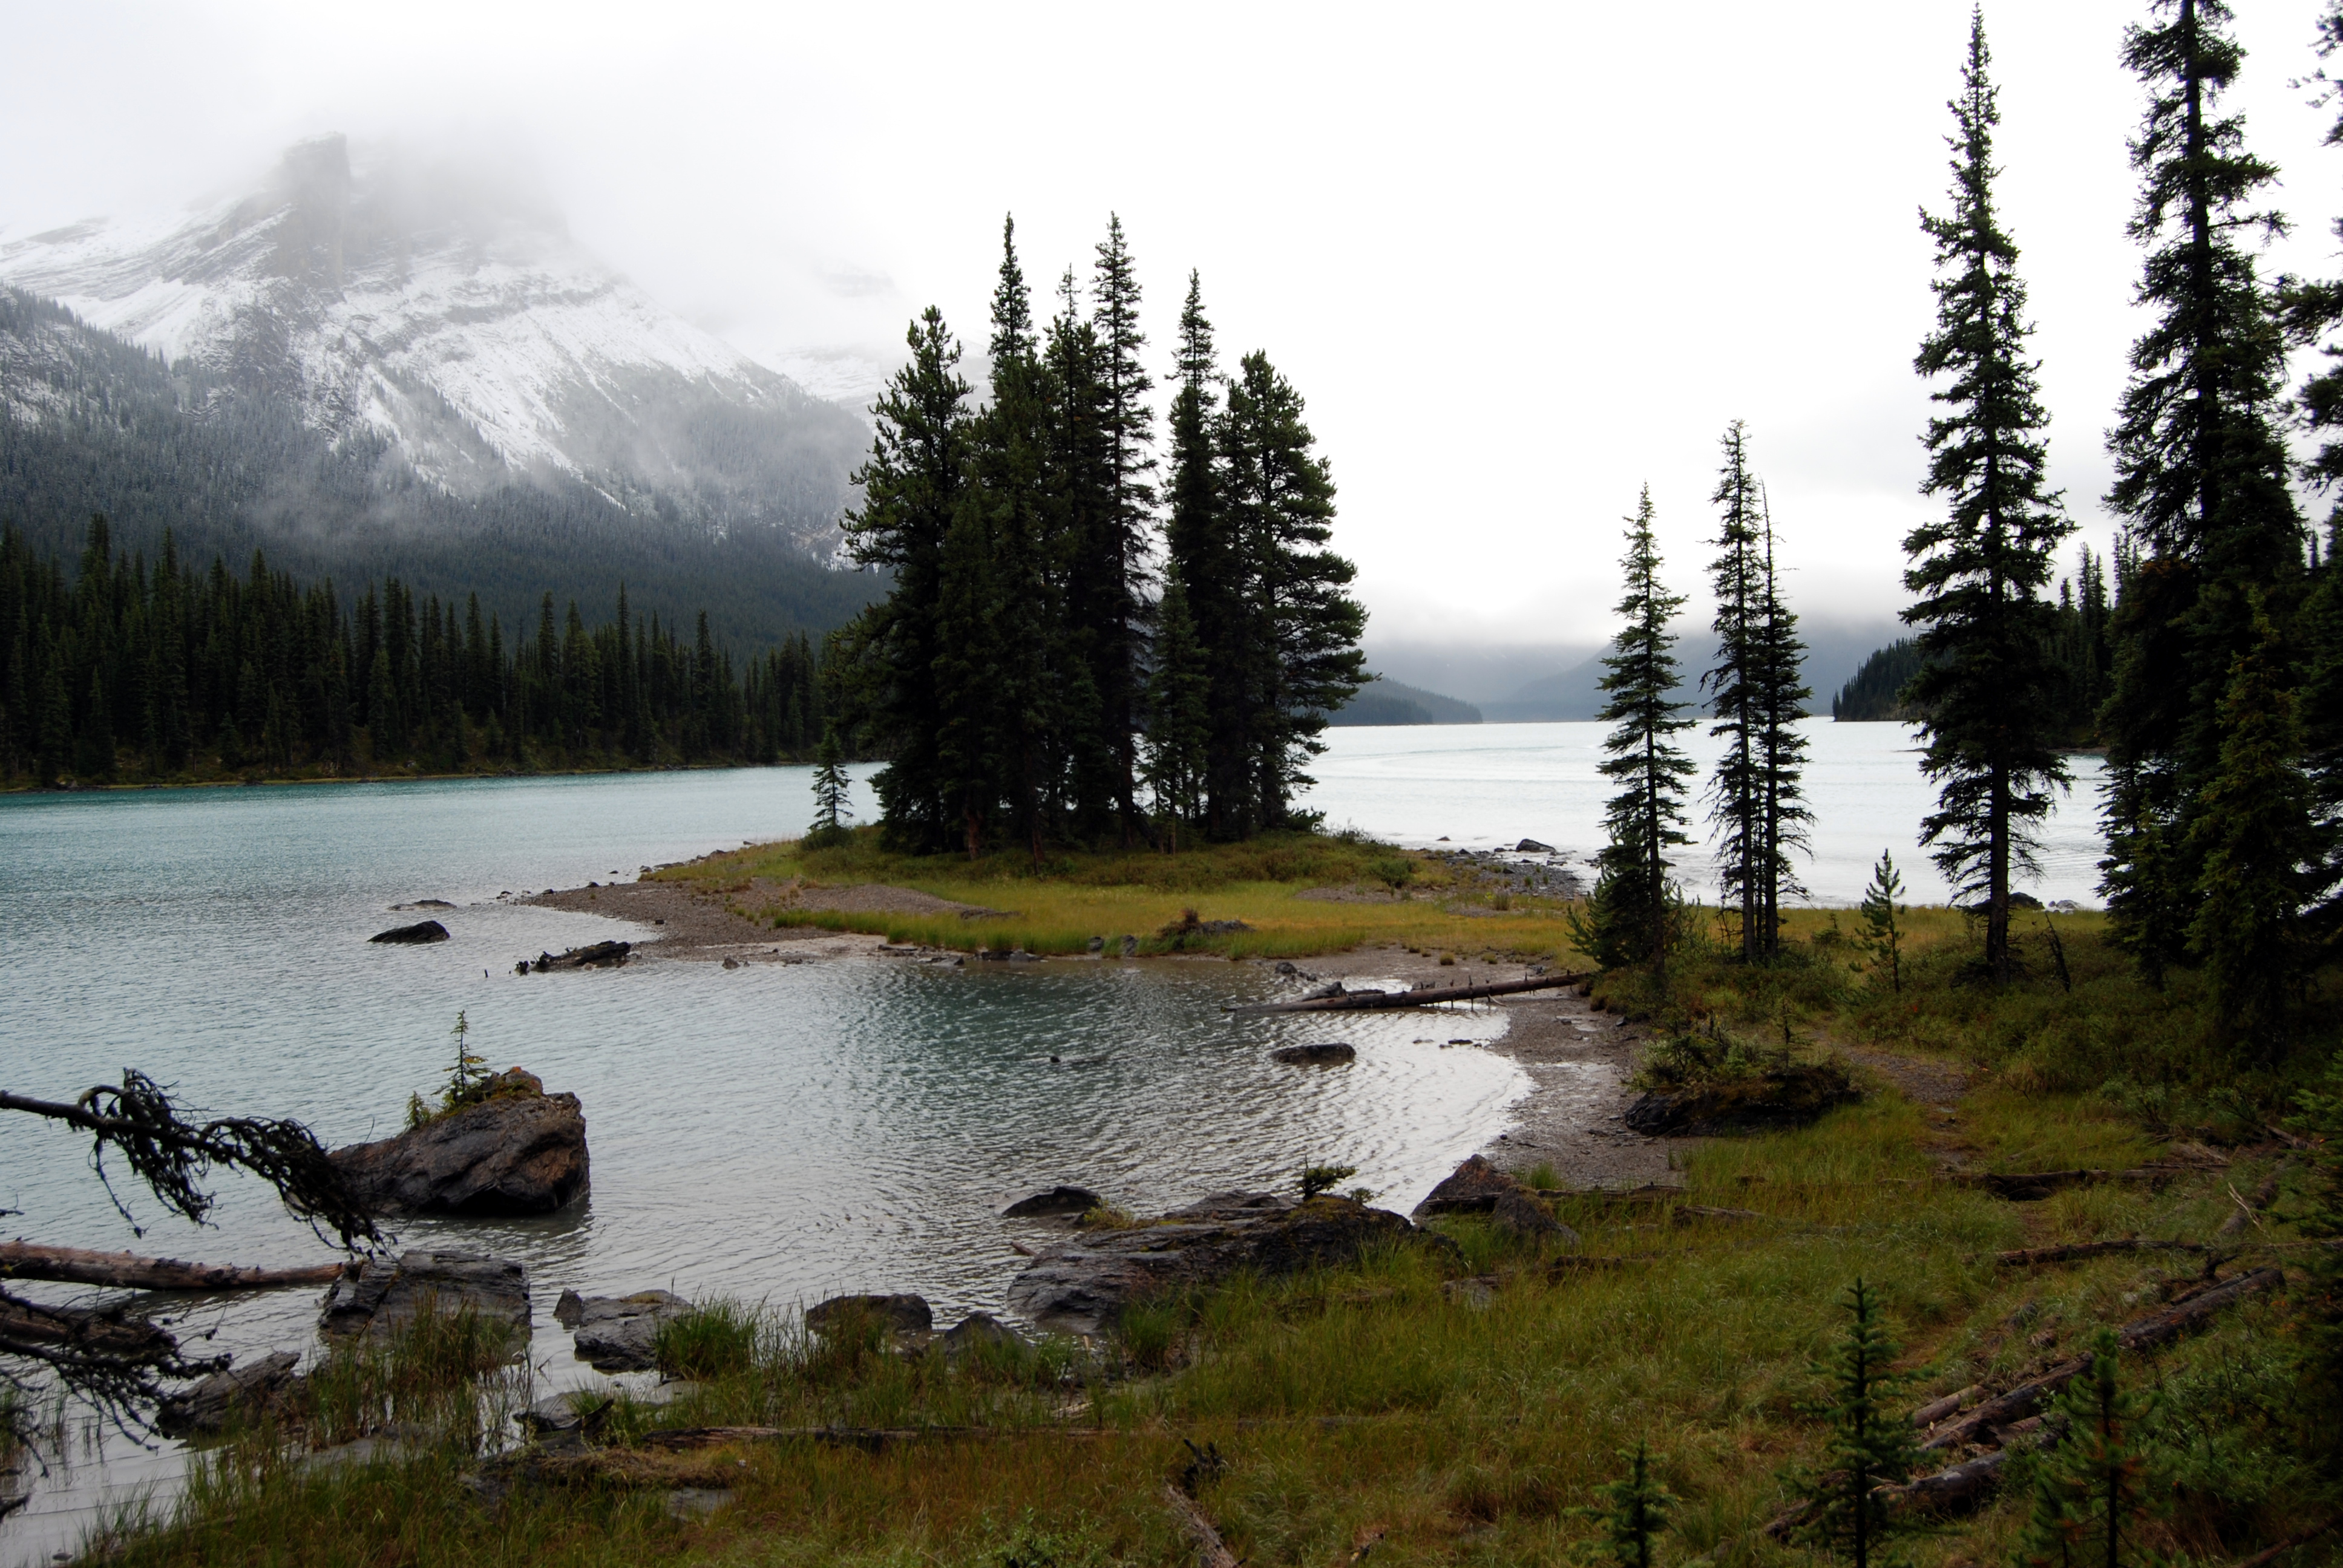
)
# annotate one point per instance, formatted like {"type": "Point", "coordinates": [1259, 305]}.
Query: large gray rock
{"type": "Point", "coordinates": [1082, 1287]}
{"type": "Point", "coordinates": [1473, 1188]}
{"type": "Point", "coordinates": [517, 1153]}
{"type": "Point", "coordinates": [382, 1295]}
{"type": "Point", "coordinates": [213, 1403]}
{"type": "Point", "coordinates": [408, 936]}
{"type": "Point", "coordinates": [620, 1333]}
{"type": "Point", "coordinates": [1526, 1217]}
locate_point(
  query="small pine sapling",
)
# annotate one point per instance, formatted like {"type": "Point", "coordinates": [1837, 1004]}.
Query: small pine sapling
{"type": "Point", "coordinates": [1870, 1442]}
{"type": "Point", "coordinates": [830, 791]}
{"type": "Point", "coordinates": [1633, 1512]}
{"type": "Point", "coordinates": [2092, 1490]}
{"type": "Point", "coordinates": [1317, 1179]}
{"type": "Point", "coordinates": [1883, 930]}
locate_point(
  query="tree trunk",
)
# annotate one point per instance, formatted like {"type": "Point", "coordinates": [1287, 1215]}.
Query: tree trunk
{"type": "Point", "coordinates": [123, 1271]}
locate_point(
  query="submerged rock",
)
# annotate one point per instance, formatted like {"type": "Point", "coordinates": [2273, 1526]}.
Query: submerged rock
{"type": "Point", "coordinates": [1060, 1200]}
{"type": "Point", "coordinates": [620, 1333]}
{"type": "Point", "coordinates": [420, 932]}
{"type": "Point", "coordinates": [902, 1314]}
{"type": "Point", "coordinates": [1532, 847]}
{"type": "Point", "coordinates": [519, 1152]}
{"type": "Point", "coordinates": [381, 1295]}
{"type": "Point", "coordinates": [1082, 1287]}
{"type": "Point", "coordinates": [1320, 1053]}
{"type": "Point", "coordinates": [209, 1406]}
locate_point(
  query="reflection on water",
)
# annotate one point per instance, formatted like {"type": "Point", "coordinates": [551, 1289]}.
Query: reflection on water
{"type": "Point", "coordinates": [779, 1133]}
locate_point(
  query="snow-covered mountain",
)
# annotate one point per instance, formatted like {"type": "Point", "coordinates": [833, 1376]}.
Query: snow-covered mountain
{"type": "Point", "coordinates": [458, 322]}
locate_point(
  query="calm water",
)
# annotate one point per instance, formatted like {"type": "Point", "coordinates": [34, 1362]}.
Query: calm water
{"type": "Point", "coordinates": [1490, 784]}
{"type": "Point", "coordinates": [778, 1133]}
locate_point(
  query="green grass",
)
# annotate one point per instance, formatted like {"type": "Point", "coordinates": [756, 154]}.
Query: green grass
{"type": "Point", "coordinates": [1060, 905]}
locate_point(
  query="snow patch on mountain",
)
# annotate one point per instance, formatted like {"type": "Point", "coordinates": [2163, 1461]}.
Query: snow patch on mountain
{"type": "Point", "coordinates": [462, 324]}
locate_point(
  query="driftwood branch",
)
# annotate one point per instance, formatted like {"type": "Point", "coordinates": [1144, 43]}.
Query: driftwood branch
{"type": "Point", "coordinates": [126, 1271]}
{"type": "Point", "coordinates": [171, 1156]}
{"type": "Point", "coordinates": [1211, 1551]}
{"type": "Point", "coordinates": [1355, 1002]}
{"type": "Point", "coordinates": [2033, 1186]}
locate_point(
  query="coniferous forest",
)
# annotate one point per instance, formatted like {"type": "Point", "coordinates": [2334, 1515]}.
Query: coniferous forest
{"type": "Point", "coordinates": [1088, 642]}
{"type": "Point", "coordinates": [134, 670]}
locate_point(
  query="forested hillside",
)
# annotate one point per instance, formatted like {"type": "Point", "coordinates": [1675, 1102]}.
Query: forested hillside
{"type": "Point", "coordinates": [1383, 701]}
{"type": "Point", "coordinates": [92, 424]}
{"type": "Point", "coordinates": [137, 669]}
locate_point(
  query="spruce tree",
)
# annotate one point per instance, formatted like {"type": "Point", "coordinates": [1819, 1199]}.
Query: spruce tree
{"type": "Point", "coordinates": [1734, 793]}
{"type": "Point", "coordinates": [911, 492]}
{"type": "Point", "coordinates": [1301, 642]}
{"type": "Point", "coordinates": [1987, 688]}
{"type": "Point", "coordinates": [2250, 839]}
{"type": "Point", "coordinates": [2201, 469]}
{"type": "Point", "coordinates": [1179, 715]}
{"type": "Point", "coordinates": [1078, 488]}
{"type": "Point", "coordinates": [2096, 1483]}
{"type": "Point", "coordinates": [1778, 674]}
{"type": "Point", "coordinates": [1870, 1444]}
{"type": "Point", "coordinates": [1116, 553]}
{"type": "Point", "coordinates": [1199, 549]}
{"type": "Point", "coordinates": [831, 789]}
{"type": "Point", "coordinates": [1628, 917]}
{"type": "Point", "coordinates": [1883, 909]}
{"type": "Point", "coordinates": [1633, 1511]}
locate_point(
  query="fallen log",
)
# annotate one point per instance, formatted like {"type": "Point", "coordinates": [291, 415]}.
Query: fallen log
{"type": "Point", "coordinates": [2141, 1333]}
{"type": "Point", "coordinates": [1211, 1551]}
{"type": "Point", "coordinates": [84, 1330]}
{"type": "Point", "coordinates": [872, 1439]}
{"type": "Point", "coordinates": [2033, 1186]}
{"type": "Point", "coordinates": [123, 1271]}
{"type": "Point", "coordinates": [2026, 1258]}
{"type": "Point", "coordinates": [1960, 1487]}
{"type": "Point", "coordinates": [1351, 1001]}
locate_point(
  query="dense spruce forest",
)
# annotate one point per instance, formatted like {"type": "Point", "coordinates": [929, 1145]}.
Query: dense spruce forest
{"type": "Point", "coordinates": [134, 670]}
{"type": "Point", "coordinates": [1082, 644]}
{"type": "Point", "coordinates": [2080, 642]}
{"type": "Point", "coordinates": [230, 465]}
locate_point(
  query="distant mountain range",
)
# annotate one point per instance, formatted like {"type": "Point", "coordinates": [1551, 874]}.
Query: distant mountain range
{"type": "Point", "coordinates": [1573, 689]}
{"type": "Point", "coordinates": [1385, 701]}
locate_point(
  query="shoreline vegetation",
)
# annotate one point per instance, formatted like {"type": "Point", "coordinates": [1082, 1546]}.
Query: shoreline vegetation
{"type": "Point", "coordinates": [2029, 1165]}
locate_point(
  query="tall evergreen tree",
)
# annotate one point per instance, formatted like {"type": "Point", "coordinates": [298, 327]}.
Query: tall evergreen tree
{"type": "Point", "coordinates": [2201, 469]}
{"type": "Point", "coordinates": [1080, 493]}
{"type": "Point", "coordinates": [1988, 685]}
{"type": "Point", "coordinates": [2250, 839]}
{"type": "Point", "coordinates": [1301, 640]}
{"type": "Point", "coordinates": [1778, 673]}
{"type": "Point", "coordinates": [1117, 552]}
{"type": "Point", "coordinates": [1179, 715]}
{"type": "Point", "coordinates": [1200, 550]}
{"type": "Point", "coordinates": [1734, 790]}
{"type": "Point", "coordinates": [1627, 919]}
{"type": "Point", "coordinates": [910, 491]}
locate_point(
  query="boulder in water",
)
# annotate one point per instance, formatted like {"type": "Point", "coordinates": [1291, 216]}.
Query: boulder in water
{"type": "Point", "coordinates": [620, 1333]}
{"type": "Point", "coordinates": [214, 1402]}
{"type": "Point", "coordinates": [900, 1314]}
{"type": "Point", "coordinates": [1059, 1199]}
{"type": "Point", "coordinates": [378, 1296]}
{"type": "Point", "coordinates": [519, 1152]}
{"type": "Point", "coordinates": [406, 936]}
{"type": "Point", "coordinates": [1318, 1053]}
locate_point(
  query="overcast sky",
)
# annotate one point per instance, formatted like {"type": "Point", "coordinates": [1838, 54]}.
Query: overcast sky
{"type": "Point", "coordinates": [1520, 260]}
